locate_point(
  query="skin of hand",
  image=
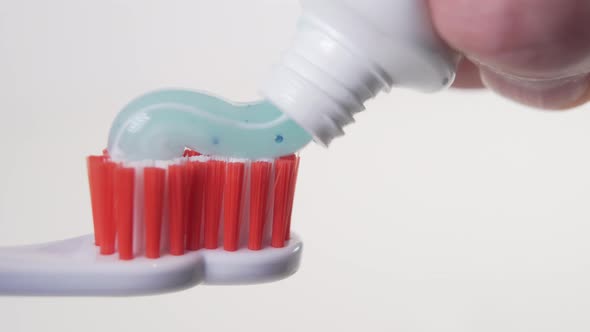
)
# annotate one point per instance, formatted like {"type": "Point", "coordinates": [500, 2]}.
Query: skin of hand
{"type": "Point", "coordinates": [536, 52]}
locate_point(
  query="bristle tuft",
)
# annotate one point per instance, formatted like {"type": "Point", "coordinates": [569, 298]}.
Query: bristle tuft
{"type": "Point", "coordinates": [283, 173]}
{"type": "Point", "coordinates": [232, 199]}
{"type": "Point", "coordinates": [154, 179]}
{"type": "Point", "coordinates": [259, 187]}
{"type": "Point", "coordinates": [176, 217]}
{"type": "Point", "coordinates": [123, 191]}
{"type": "Point", "coordinates": [190, 153]}
{"type": "Point", "coordinates": [213, 198]}
{"type": "Point", "coordinates": [195, 209]}
{"type": "Point", "coordinates": [156, 207]}
{"type": "Point", "coordinates": [291, 195]}
{"type": "Point", "coordinates": [96, 182]}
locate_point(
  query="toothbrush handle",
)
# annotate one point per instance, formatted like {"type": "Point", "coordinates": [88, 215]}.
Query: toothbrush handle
{"type": "Point", "coordinates": [74, 267]}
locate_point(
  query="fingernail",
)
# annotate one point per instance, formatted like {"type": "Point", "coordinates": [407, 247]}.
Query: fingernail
{"type": "Point", "coordinates": [541, 93]}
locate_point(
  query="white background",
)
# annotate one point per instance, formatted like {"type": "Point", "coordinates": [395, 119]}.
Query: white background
{"type": "Point", "coordinates": [454, 212]}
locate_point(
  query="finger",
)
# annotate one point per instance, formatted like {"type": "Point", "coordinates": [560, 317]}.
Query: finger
{"type": "Point", "coordinates": [557, 94]}
{"type": "Point", "coordinates": [534, 51]}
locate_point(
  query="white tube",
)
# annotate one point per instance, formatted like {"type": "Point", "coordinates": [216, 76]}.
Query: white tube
{"type": "Point", "coordinates": [347, 51]}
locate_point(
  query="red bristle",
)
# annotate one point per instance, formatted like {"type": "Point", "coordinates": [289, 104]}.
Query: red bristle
{"type": "Point", "coordinates": [291, 196]}
{"type": "Point", "coordinates": [232, 198]}
{"type": "Point", "coordinates": [124, 185]}
{"type": "Point", "coordinates": [283, 172]}
{"type": "Point", "coordinates": [186, 199]}
{"type": "Point", "coordinates": [97, 191]}
{"type": "Point", "coordinates": [190, 153]}
{"type": "Point", "coordinates": [105, 153]}
{"type": "Point", "coordinates": [109, 230]}
{"type": "Point", "coordinates": [214, 195]}
{"type": "Point", "coordinates": [153, 181]}
{"type": "Point", "coordinates": [195, 207]}
{"type": "Point", "coordinates": [259, 185]}
{"type": "Point", "coordinates": [289, 157]}
{"type": "Point", "coordinates": [176, 216]}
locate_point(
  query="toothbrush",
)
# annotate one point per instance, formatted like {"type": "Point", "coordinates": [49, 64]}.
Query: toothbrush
{"type": "Point", "coordinates": [344, 53]}
{"type": "Point", "coordinates": [144, 241]}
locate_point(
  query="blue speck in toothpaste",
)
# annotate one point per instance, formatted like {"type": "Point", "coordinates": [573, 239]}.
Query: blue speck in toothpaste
{"type": "Point", "coordinates": [279, 138]}
{"type": "Point", "coordinates": [215, 140]}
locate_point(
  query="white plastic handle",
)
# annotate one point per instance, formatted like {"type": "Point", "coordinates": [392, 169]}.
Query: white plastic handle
{"type": "Point", "coordinates": [74, 267]}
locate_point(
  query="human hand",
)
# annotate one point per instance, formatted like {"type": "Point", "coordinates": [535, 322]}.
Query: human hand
{"type": "Point", "coordinates": [536, 52]}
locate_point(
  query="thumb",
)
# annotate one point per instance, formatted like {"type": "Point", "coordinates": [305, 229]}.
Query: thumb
{"type": "Point", "coordinates": [536, 52]}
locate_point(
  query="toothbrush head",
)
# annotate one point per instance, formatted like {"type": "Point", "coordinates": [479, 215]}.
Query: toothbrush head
{"type": "Point", "coordinates": [163, 222]}
{"type": "Point", "coordinates": [221, 220]}
{"type": "Point", "coordinates": [164, 226]}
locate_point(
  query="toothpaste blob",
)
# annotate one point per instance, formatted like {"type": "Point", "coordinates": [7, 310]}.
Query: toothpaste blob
{"type": "Point", "coordinates": [161, 124]}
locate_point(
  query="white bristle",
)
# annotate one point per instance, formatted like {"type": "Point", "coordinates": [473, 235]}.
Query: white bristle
{"type": "Point", "coordinates": [236, 160]}
{"type": "Point", "coordinates": [161, 164]}
{"type": "Point", "coordinates": [199, 158]}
